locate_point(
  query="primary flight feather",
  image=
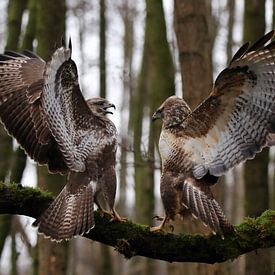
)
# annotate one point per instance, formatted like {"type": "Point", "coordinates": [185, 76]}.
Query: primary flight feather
{"type": "Point", "coordinates": [42, 106]}
{"type": "Point", "coordinates": [233, 124]}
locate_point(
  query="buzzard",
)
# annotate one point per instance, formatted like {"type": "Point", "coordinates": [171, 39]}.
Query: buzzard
{"type": "Point", "coordinates": [42, 107]}
{"type": "Point", "coordinates": [236, 121]}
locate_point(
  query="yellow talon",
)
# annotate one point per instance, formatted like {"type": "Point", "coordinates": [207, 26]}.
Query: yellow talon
{"type": "Point", "coordinates": [116, 216]}
{"type": "Point", "coordinates": [161, 226]}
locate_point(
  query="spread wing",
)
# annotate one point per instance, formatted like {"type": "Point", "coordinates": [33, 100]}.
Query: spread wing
{"type": "Point", "coordinates": [21, 82]}
{"type": "Point", "coordinates": [78, 131]}
{"type": "Point", "coordinates": [238, 118]}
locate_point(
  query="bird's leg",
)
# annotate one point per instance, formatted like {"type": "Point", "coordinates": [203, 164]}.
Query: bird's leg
{"type": "Point", "coordinates": [116, 216]}
{"type": "Point", "coordinates": [161, 226]}
{"type": "Point", "coordinates": [100, 209]}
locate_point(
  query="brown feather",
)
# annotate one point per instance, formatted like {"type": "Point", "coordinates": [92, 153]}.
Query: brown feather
{"type": "Point", "coordinates": [43, 108]}
{"type": "Point", "coordinates": [71, 213]}
{"type": "Point", "coordinates": [230, 126]}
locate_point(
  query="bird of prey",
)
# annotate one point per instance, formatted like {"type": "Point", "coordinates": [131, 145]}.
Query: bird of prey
{"type": "Point", "coordinates": [233, 124]}
{"type": "Point", "coordinates": [42, 107]}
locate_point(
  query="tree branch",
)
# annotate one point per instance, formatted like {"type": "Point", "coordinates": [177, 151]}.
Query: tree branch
{"type": "Point", "coordinates": [132, 239]}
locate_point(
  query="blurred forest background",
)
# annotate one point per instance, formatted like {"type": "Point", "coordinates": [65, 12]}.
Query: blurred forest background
{"type": "Point", "coordinates": [135, 53]}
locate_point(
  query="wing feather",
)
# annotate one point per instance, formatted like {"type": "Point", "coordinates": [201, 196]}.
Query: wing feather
{"type": "Point", "coordinates": [236, 121]}
{"type": "Point", "coordinates": [21, 82]}
{"type": "Point", "coordinates": [76, 129]}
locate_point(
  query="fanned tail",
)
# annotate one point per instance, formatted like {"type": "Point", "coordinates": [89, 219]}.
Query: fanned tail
{"type": "Point", "coordinates": [70, 214]}
{"type": "Point", "coordinates": [205, 208]}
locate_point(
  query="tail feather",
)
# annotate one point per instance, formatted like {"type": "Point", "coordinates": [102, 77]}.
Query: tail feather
{"type": "Point", "coordinates": [84, 216]}
{"type": "Point", "coordinates": [88, 213]}
{"type": "Point", "coordinates": [69, 217]}
{"type": "Point", "coordinates": [80, 218]}
{"type": "Point", "coordinates": [205, 208]}
{"type": "Point", "coordinates": [215, 226]}
{"type": "Point", "coordinates": [70, 214]}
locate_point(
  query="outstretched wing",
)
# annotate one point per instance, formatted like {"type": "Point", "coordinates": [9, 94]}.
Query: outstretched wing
{"type": "Point", "coordinates": [77, 130]}
{"type": "Point", "coordinates": [238, 118]}
{"type": "Point", "coordinates": [21, 82]}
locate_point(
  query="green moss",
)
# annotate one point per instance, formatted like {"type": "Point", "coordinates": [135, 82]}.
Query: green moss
{"type": "Point", "coordinates": [26, 193]}
{"type": "Point", "coordinates": [132, 239]}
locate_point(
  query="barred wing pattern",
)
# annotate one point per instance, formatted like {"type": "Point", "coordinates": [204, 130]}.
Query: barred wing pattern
{"type": "Point", "coordinates": [85, 138]}
{"type": "Point", "coordinates": [21, 84]}
{"type": "Point", "coordinates": [71, 213]}
{"type": "Point", "coordinates": [72, 123]}
{"type": "Point", "coordinates": [41, 105]}
{"type": "Point", "coordinates": [238, 118]}
{"type": "Point", "coordinates": [235, 122]}
{"type": "Point", "coordinates": [204, 207]}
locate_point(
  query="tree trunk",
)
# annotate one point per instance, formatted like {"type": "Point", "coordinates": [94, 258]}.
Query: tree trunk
{"type": "Point", "coordinates": [106, 264]}
{"type": "Point", "coordinates": [231, 20]}
{"type": "Point", "coordinates": [15, 12]}
{"type": "Point", "coordinates": [52, 257]}
{"type": "Point", "coordinates": [127, 14]}
{"type": "Point", "coordinates": [17, 166]}
{"type": "Point", "coordinates": [102, 49]}
{"type": "Point", "coordinates": [14, 253]}
{"type": "Point", "coordinates": [155, 83]}
{"type": "Point", "coordinates": [30, 32]}
{"type": "Point", "coordinates": [256, 176]}
{"type": "Point", "coordinates": [194, 43]}
{"type": "Point", "coordinates": [5, 153]}
{"type": "Point", "coordinates": [50, 28]}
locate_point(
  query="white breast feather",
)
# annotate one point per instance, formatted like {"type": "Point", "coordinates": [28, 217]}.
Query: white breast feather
{"type": "Point", "coordinates": [164, 147]}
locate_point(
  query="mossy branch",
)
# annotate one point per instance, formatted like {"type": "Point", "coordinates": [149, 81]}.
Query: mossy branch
{"type": "Point", "coordinates": [132, 239]}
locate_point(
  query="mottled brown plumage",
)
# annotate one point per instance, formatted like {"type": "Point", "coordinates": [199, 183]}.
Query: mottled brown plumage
{"type": "Point", "coordinates": [234, 123]}
{"type": "Point", "coordinates": [41, 105]}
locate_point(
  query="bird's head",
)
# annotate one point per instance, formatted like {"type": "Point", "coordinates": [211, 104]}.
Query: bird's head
{"type": "Point", "coordinates": [172, 111]}
{"type": "Point", "coordinates": [100, 105]}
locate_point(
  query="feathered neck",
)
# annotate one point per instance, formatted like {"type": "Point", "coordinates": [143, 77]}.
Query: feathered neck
{"type": "Point", "coordinates": [175, 115]}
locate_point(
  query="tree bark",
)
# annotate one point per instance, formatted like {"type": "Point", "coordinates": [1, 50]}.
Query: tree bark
{"type": "Point", "coordinates": [194, 43]}
{"type": "Point", "coordinates": [156, 82]}
{"type": "Point", "coordinates": [50, 26]}
{"type": "Point", "coordinates": [132, 239]}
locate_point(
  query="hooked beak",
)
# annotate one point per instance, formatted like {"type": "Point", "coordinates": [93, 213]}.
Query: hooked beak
{"type": "Point", "coordinates": [156, 115]}
{"type": "Point", "coordinates": [107, 106]}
